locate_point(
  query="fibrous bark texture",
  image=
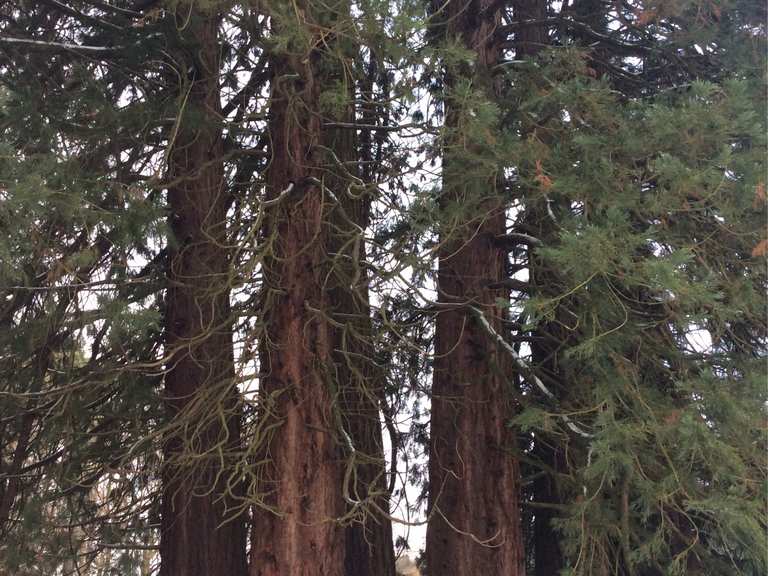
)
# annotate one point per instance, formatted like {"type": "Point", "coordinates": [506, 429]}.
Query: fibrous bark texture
{"type": "Point", "coordinates": [323, 480]}
{"type": "Point", "coordinates": [201, 533]}
{"type": "Point", "coordinates": [297, 529]}
{"type": "Point", "coordinates": [474, 525]}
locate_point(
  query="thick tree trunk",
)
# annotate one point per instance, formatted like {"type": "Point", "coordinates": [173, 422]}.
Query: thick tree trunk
{"type": "Point", "coordinates": [320, 391]}
{"type": "Point", "coordinates": [297, 529]}
{"type": "Point", "coordinates": [474, 525]}
{"type": "Point", "coordinates": [199, 535]}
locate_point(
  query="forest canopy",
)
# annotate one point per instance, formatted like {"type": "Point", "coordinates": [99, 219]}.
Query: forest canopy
{"type": "Point", "coordinates": [296, 287]}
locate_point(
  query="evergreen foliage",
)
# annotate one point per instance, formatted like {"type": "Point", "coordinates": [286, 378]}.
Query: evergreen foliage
{"type": "Point", "coordinates": [620, 147]}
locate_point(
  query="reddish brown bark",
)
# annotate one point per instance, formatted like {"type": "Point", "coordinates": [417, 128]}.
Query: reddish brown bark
{"type": "Point", "coordinates": [302, 474]}
{"type": "Point", "coordinates": [199, 535]}
{"type": "Point", "coordinates": [474, 526]}
{"type": "Point", "coordinates": [318, 384]}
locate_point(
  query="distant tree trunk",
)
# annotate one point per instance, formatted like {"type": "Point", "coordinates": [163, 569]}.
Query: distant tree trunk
{"type": "Point", "coordinates": [302, 470]}
{"type": "Point", "coordinates": [548, 555]}
{"type": "Point", "coordinates": [369, 548]}
{"type": "Point", "coordinates": [200, 534]}
{"type": "Point", "coordinates": [474, 525]}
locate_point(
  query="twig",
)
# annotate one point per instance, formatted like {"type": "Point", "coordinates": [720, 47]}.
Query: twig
{"type": "Point", "coordinates": [128, 546]}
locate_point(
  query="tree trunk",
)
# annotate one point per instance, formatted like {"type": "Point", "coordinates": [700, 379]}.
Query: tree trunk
{"type": "Point", "coordinates": [201, 534]}
{"type": "Point", "coordinates": [296, 529]}
{"type": "Point", "coordinates": [547, 553]}
{"type": "Point", "coordinates": [369, 548]}
{"type": "Point", "coordinates": [474, 525]}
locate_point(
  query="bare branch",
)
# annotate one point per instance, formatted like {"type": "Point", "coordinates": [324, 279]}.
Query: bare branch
{"type": "Point", "coordinates": [516, 238]}
{"type": "Point", "coordinates": [375, 128]}
{"type": "Point", "coordinates": [520, 363]}
{"type": "Point", "coordinates": [40, 44]}
{"type": "Point", "coordinates": [510, 283]}
{"type": "Point", "coordinates": [128, 546]}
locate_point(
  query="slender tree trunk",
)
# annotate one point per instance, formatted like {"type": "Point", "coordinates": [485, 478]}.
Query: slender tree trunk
{"type": "Point", "coordinates": [368, 536]}
{"type": "Point", "coordinates": [552, 338]}
{"type": "Point", "coordinates": [369, 549]}
{"type": "Point", "coordinates": [474, 525]}
{"type": "Point", "coordinates": [201, 534]}
{"type": "Point", "coordinates": [297, 529]}
{"type": "Point", "coordinates": [548, 555]}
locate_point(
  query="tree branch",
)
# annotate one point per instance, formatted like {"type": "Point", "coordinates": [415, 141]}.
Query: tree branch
{"type": "Point", "coordinates": [109, 8]}
{"type": "Point", "coordinates": [583, 29]}
{"type": "Point", "coordinates": [515, 239]}
{"type": "Point", "coordinates": [510, 283]}
{"type": "Point", "coordinates": [520, 363]}
{"type": "Point", "coordinates": [43, 45]}
{"type": "Point", "coordinates": [79, 15]}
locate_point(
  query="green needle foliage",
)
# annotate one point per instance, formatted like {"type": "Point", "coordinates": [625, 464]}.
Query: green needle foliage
{"type": "Point", "coordinates": [626, 142]}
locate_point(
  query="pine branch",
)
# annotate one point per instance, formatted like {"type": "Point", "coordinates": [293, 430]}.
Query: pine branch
{"type": "Point", "coordinates": [109, 8]}
{"type": "Point", "coordinates": [55, 4]}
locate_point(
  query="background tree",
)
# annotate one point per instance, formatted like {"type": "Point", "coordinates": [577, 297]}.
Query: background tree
{"type": "Point", "coordinates": [608, 342]}
{"type": "Point", "coordinates": [78, 308]}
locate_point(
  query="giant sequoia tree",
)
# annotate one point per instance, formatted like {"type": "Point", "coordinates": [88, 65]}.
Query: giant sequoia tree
{"type": "Point", "coordinates": [303, 472]}
{"type": "Point", "coordinates": [473, 470]}
{"type": "Point", "coordinates": [265, 267]}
